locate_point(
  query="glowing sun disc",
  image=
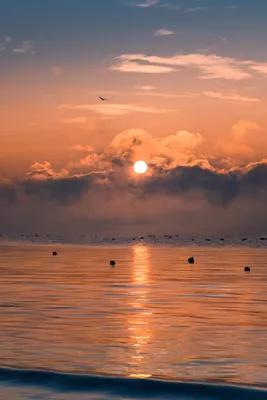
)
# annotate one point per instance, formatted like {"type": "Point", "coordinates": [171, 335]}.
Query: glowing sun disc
{"type": "Point", "coordinates": [140, 167]}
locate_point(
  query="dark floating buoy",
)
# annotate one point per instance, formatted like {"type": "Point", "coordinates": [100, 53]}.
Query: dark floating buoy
{"type": "Point", "coordinates": [54, 253]}
{"type": "Point", "coordinates": [247, 269]}
{"type": "Point", "coordinates": [191, 260]}
{"type": "Point", "coordinates": [112, 263]}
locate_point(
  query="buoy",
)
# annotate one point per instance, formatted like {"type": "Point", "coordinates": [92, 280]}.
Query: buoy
{"type": "Point", "coordinates": [54, 253]}
{"type": "Point", "coordinates": [247, 269]}
{"type": "Point", "coordinates": [191, 260]}
{"type": "Point", "coordinates": [112, 263]}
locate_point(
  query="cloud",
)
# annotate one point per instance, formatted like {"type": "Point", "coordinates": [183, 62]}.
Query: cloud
{"type": "Point", "coordinates": [99, 193]}
{"type": "Point", "coordinates": [8, 194]}
{"type": "Point", "coordinates": [259, 67]}
{"type": "Point", "coordinates": [146, 88]}
{"type": "Point", "coordinates": [170, 6]}
{"type": "Point", "coordinates": [231, 96]}
{"type": "Point", "coordinates": [169, 95]}
{"type": "Point", "coordinates": [196, 9]}
{"type": "Point", "coordinates": [4, 40]}
{"type": "Point", "coordinates": [114, 110]}
{"type": "Point", "coordinates": [44, 171]}
{"type": "Point", "coordinates": [148, 3]}
{"type": "Point", "coordinates": [210, 66]}
{"type": "Point", "coordinates": [131, 66]}
{"type": "Point", "coordinates": [25, 47]}
{"type": "Point", "coordinates": [238, 147]}
{"type": "Point", "coordinates": [163, 32]}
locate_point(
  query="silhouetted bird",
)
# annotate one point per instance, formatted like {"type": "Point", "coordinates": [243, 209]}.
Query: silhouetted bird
{"type": "Point", "coordinates": [102, 98]}
{"type": "Point", "coordinates": [207, 240]}
{"type": "Point", "coordinates": [54, 253]}
{"type": "Point", "coordinates": [133, 238]}
{"type": "Point", "coordinates": [244, 239]}
{"type": "Point", "coordinates": [191, 260]}
{"type": "Point", "coordinates": [113, 239]}
{"type": "Point", "coordinates": [222, 239]}
{"type": "Point", "coordinates": [247, 269]}
{"type": "Point", "coordinates": [112, 263]}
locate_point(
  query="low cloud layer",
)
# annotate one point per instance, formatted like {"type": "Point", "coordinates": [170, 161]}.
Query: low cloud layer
{"type": "Point", "coordinates": [98, 191]}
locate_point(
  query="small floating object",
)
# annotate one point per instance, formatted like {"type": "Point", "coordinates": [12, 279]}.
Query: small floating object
{"type": "Point", "coordinates": [133, 238]}
{"type": "Point", "coordinates": [244, 239]}
{"type": "Point", "coordinates": [113, 239]}
{"type": "Point", "coordinates": [54, 253]}
{"type": "Point", "coordinates": [191, 260]}
{"type": "Point", "coordinates": [247, 269]}
{"type": "Point", "coordinates": [112, 263]}
{"type": "Point", "coordinates": [222, 239]}
{"type": "Point", "coordinates": [142, 237]}
{"type": "Point", "coordinates": [207, 240]}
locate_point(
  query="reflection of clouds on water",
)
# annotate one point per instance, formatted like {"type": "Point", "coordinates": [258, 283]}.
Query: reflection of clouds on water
{"type": "Point", "coordinates": [138, 321]}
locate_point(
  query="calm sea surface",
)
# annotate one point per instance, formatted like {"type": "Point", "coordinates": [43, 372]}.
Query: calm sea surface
{"type": "Point", "coordinates": [153, 316]}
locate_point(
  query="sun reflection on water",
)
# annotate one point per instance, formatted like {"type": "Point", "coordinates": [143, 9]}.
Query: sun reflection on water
{"type": "Point", "coordinates": [139, 319]}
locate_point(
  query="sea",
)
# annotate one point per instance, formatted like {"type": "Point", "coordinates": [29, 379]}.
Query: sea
{"type": "Point", "coordinates": [151, 327]}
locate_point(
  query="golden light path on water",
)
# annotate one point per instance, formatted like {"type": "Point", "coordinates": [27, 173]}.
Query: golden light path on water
{"type": "Point", "coordinates": [139, 321]}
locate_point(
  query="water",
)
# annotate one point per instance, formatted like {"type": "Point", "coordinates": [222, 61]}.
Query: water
{"type": "Point", "coordinates": [152, 327]}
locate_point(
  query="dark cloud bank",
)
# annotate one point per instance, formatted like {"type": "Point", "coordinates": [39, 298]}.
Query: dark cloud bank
{"type": "Point", "coordinates": [189, 200]}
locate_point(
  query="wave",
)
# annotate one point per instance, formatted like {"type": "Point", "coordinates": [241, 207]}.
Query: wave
{"type": "Point", "coordinates": [130, 387]}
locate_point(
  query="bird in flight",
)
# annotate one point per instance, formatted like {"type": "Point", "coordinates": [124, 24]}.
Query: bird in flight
{"type": "Point", "coordinates": [102, 98]}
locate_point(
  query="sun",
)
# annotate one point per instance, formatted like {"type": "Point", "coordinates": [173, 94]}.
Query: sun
{"type": "Point", "coordinates": [140, 167]}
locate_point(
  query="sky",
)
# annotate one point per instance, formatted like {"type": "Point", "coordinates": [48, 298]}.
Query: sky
{"type": "Point", "coordinates": [186, 89]}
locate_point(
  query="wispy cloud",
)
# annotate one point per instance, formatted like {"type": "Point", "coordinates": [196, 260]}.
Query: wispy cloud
{"type": "Point", "coordinates": [132, 66]}
{"type": "Point", "coordinates": [168, 95]}
{"type": "Point", "coordinates": [146, 88]}
{"type": "Point", "coordinates": [25, 46]}
{"type": "Point", "coordinates": [210, 66]}
{"type": "Point", "coordinates": [4, 40]}
{"type": "Point", "coordinates": [196, 9]}
{"type": "Point", "coordinates": [231, 96]}
{"type": "Point", "coordinates": [163, 32]}
{"type": "Point", "coordinates": [170, 6]}
{"type": "Point", "coordinates": [259, 67]}
{"type": "Point", "coordinates": [114, 110]}
{"type": "Point", "coordinates": [148, 3]}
